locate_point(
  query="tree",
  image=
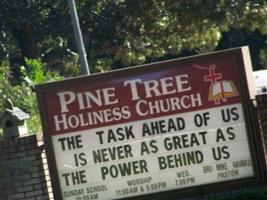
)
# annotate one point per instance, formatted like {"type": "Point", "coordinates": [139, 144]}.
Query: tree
{"type": "Point", "coordinates": [126, 33]}
{"type": "Point", "coordinates": [254, 39]}
{"type": "Point", "coordinates": [121, 33]}
{"type": "Point", "coordinates": [35, 28]}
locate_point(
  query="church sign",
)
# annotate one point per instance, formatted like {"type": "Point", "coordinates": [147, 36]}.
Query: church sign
{"type": "Point", "coordinates": [161, 130]}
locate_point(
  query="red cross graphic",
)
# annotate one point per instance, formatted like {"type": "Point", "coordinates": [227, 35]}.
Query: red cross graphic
{"type": "Point", "coordinates": [212, 76]}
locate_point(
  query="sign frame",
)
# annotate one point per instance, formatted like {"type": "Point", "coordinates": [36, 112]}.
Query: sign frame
{"type": "Point", "coordinates": [250, 118]}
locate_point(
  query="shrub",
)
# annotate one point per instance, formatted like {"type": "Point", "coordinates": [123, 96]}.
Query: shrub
{"type": "Point", "coordinates": [259, 193]}
{"type": "Point", "coordinates": [22, 95]}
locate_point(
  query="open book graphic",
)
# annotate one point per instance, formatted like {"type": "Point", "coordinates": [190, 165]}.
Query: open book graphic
{"type": "Point", "coordinates": [221, 90]}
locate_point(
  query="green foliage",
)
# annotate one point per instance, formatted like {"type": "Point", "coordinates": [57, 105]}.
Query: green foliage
{"type": "Point", "coordinates": [6, 89]}
{"type": "Point", "coordinates": [34, 70]}
{"type": "Point", "coordinates": [58, 57]}
{"type": "Point", "coordinates": [134, 32]}
{"type": "Point", "coordinates": [22, 95]}
{"type": "Point", "coordinates": [121, 33]}
{"type": "Point", "coordinates": [33, 74]}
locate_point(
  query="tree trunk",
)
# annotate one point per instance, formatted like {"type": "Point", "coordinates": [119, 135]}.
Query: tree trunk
{"type": "Point", "coordinates": [25, 38]}
{"type": "Point", "coordinates": [26, 43]}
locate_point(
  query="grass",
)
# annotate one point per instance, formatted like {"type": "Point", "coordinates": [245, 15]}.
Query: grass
{"type": "Point", "coordinates": [259, 193]}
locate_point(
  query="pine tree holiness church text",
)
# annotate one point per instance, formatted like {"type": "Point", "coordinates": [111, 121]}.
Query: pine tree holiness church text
{"type": "Point", "coordinates": [96, 99]}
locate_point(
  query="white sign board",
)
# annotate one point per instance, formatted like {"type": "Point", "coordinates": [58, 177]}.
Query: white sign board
{"type": "Point", "coordinates": [151, 129]}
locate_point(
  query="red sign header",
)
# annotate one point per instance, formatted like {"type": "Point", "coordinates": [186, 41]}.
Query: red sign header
{"type": "Point", "coordinates": [142, 95]}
